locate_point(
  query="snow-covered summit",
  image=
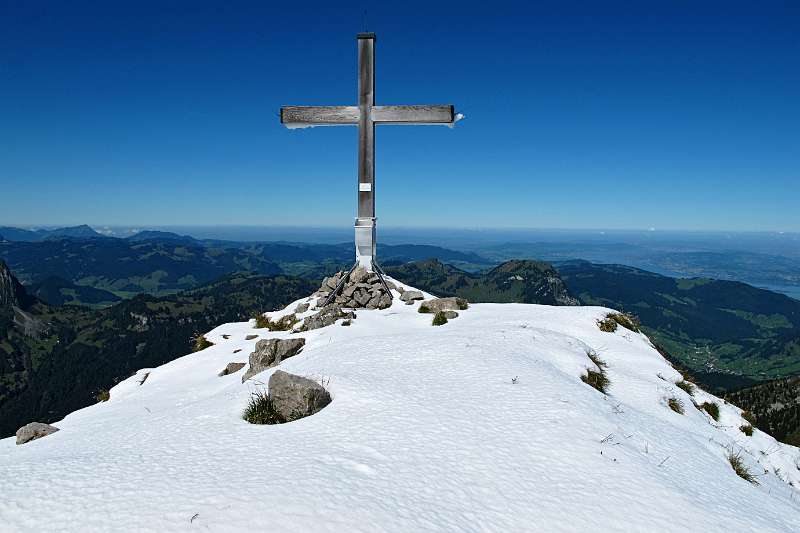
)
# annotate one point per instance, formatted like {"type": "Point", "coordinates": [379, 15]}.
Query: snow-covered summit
{"type": "Point", "coordinates": [483, 424]}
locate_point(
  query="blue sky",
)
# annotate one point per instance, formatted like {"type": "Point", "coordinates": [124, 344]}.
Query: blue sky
{"type": "Point", "coordinates": [673, 115]}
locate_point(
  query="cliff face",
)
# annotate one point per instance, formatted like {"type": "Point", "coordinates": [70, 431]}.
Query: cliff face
{"type": "Point", "coordinates": [12, 293]}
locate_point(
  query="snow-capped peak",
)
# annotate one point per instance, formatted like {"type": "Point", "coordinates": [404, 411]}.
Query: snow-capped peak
{"type": "Point", "coordinates": [482, 424]}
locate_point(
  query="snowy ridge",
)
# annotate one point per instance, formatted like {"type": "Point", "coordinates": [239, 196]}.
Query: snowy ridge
{"type": "Point", "coordinates": [426, 432]}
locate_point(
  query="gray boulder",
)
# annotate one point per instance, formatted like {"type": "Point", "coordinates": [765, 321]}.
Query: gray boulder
{"type": "Point", "coordinates": [435, 305]}
{"type": "Point", "coordinates": [232, 368]}
{"type": "Point", "coordinates": [294, 397]}
{"type": "Point", "coordinates": [33, 431]}
{"type": "Point", "coordinates": [301, 308]}
{"type": "Point", "coordinates": [410, 296]}
{"type": "Point", "coordinates": [270, 352]}
{"type": "Point", "coordinates": [450, 315]}
{"type": "Point", "coordinates": [325, 317]}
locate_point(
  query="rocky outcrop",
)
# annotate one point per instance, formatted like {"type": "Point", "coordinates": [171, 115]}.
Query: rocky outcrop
{"type": "Point", "coordinates": [435, 305]}
{"type": "Point", "coordinates": [12, 294]}
{"type": "Point", "coordinates": [534, 281]}
{"type": "Point", "coordinates": [525, 281]}
{"type": "Point", "coordinates": [270, 352]}
{"type": "Point", "coordinates": [294, 397]}
{"type": "Point", "coordinates": [361, 290]}
{"type": "Point", "coordinates": [232, 368]}
{"type": "Point", "coordinates": [325, 317]}
{"type": "Point", "coordinates": [33, 431]}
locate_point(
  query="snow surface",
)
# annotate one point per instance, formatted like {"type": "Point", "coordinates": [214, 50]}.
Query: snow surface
{"type": "Point", "coordinates": [426, 432]}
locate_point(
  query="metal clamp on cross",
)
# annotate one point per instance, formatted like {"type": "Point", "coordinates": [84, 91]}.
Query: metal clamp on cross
{"type": "Point", "coordinates": [366, 115]}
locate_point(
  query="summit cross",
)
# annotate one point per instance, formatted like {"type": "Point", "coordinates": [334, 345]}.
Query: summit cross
{"type": "Point", "coordinates": [366, 115]}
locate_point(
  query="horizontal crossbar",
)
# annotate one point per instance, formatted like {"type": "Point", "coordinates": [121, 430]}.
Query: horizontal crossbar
{"type": "Point", "coordinates": [319, 115]}
{"type": "Point", "coordinates": [300, 116]}
{"type": "Point", "coordinates": [413, 114]}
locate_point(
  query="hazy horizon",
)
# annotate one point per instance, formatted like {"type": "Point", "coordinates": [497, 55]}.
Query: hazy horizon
{"type": "Point", "coordinates": [611, 115]}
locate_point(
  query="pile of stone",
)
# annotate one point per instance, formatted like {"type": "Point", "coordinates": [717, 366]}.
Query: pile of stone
{"type": "Point", "coordinates": [362, 290]}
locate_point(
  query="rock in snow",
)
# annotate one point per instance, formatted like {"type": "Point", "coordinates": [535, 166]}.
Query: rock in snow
{"type": "Point", "coordinates": [33, 431]}
{"type": "Point", "coordinates": [270, 352]}
{"type": "Point", "coordinates": [232, 368]}
{"type": "Point", "coordinates": [435, 305]}
{"type": "Point", "coordinates": [325, 317]}
{"type": "Point", "coordinates": [410, 296]}
{"type": "Point", "coordinates": [294, 397]}
{"type": "Point", "coordinates": [482, 425]}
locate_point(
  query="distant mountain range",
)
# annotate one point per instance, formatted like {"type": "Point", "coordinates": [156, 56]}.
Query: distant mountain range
{"type": "Point", "coordinates": [62, 265]}
{"type": "Point", "coordinates": [24, 235]}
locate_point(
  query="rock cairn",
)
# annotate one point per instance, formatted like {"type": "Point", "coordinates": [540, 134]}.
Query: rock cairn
{"type": "Point", "coordinates": [362, 290]}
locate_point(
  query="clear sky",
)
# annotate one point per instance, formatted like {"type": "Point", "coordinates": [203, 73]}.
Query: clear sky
{"type": "Point", "coordinates": [673, 115]}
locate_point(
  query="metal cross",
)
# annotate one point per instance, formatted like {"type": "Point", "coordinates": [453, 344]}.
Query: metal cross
{"type": "Point", "coordinates": [366, 115]}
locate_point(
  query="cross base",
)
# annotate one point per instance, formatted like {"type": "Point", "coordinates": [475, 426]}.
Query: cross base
{"type": "Point", "coordinates": [374, 267]}
{"type": "Point", "coordinates": [365, 242]}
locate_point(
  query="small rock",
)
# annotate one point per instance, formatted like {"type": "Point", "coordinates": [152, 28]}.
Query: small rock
{"type": "Point", "coordinates": [385, 301]}
{"type": "Point", "coordinates": [232, 368]}
{"type": "Point", "coordinates": [301, 308]}
{"type": "Point", "coordinates": [359, 275]}
{"type": "Point", "coordinates": [346, 322]}
{"type": "Point", "coordinates": [294, 397]}
{"type": "Point", "coordinates": [450, 315]}
{"type": "Point", "coordinates": [362, 297]}
{"type": "Point", "coordinates": [435, 305]}
{"type": "Point", "coordinates": [251, 337]}
{"type": "Point", "coordinates": [410, 296]}
{"type": "Point", "coordinates": [325, 317]}
{"type": "Point", "coordinates": [33, 431]}
{"type": "Point", "coordinates": [270, 352]}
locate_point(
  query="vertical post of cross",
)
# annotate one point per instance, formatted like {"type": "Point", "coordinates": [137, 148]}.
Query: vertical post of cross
{"type": "Point", "coordinates": [365, 222]}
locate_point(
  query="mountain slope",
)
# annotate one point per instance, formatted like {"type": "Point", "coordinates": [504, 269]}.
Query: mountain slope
{"type": "Point", "coordinates": [775, 406]}
{"type": "Point", "coordinates": [58, 291]}
{"type": "Point", "coordinates": [54, 360]}
{"type": "Point", "coordinates": [733, 332]}
{"type": "Point", "coordinates": [512, 281]}
{"type": "Point", "coordinates": [426, 432]}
